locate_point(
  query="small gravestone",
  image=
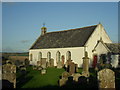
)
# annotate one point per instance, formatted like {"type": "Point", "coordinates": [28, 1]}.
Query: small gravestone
{"type": "Point", "coordinates": [43, 71]}
{"type": "Point", "coordinates": [72, 68]}
{"type": "Point", "coordinates": [47, 64]}
{"type": "Point", "coordinates": [65, 74]}
{"type": "Point", "coordinates": [51, 62]}
{"type": "Point", "coordinates": [62, 81]}
{"type": "Point", "coordinates": [64, 78]}
{"type": "Point", "coordinates": [76, 67]}
{"type": "Point", "coordinates": [59, 64]}
{"type": "Point", "coordinates": [43, 63]}
{"type": "Point", "coordinates": [39, 68]}
{"type": "Point", "coordinates": [26, 62]}
{"type": "Point", "coordinates": [106, 78]}
{"type": "Point", "coordinates": [76, 76]}
{"type": "Point", "coordinates": [9, 73]}
{"type": "Point", "coordinates": [38, 63]}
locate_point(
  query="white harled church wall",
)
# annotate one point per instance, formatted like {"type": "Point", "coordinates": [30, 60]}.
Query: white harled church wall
{"type": "Point", "coordinates": [98, 33]}
{"type": "Point", "coordinates": [77, 54]}
{"type": "Point", "coordinates": [101, 49]}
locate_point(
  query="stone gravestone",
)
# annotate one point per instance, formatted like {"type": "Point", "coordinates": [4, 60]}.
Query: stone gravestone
{"type": "Point", "coordinates": [64, 78]}
{"type": "Point", "coordinates": [59, 64]}
{"type": "Point", "coordinates": [26, 62]}
{"type": "Point", "coordinates": [43, 71]}
{"type": "Point", "coordinates": [72, 68]}
{"type": "Point", "coordinates": [51, 62]}
{"type": "Point", "coordinates": [63, 59]}
{"type": "Point", "coordinates": [106, 78]}
{"type": "Point", "coordinates": [38, 63]}
{"type": "Point", "coordinates": [9, 73]}
{"type": "Point", "coordinates": [76, 76]}
{"type": "Point", "coordinates": [43, 63]}
{"type": "Point", "coordinates": [76, 67]}
{"type": "Point", "coordinates": [85, 65]}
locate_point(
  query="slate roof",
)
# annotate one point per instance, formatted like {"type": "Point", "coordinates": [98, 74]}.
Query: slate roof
{"type": "Point", "coordinates": [113, 47]}
{"type": "Point", "coordinates": [62, 39]}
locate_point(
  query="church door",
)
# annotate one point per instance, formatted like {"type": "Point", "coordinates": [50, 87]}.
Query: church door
{"type": "Point", "coordinates": [95, 58]}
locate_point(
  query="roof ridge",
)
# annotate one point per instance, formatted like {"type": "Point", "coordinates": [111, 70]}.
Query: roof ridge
{"type": "Point", "coordinates": [71, 29]}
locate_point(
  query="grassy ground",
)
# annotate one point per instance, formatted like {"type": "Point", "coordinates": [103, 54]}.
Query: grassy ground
{"type": "Point", "coordinates": [33, 78]}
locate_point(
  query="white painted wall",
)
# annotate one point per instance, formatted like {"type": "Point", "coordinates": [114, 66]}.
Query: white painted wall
{"type": "Point", "coordinates": [77, 54]}
{"type": "Point", "coordinates": [101, 49]}
{"type": "Point", "coordinates": [92, 41]}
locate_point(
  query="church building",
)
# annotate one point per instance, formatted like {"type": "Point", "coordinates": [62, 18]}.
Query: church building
{"type": "Point", "coordinates": [71, 44]}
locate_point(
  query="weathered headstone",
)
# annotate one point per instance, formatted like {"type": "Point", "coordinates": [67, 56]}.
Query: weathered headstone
{"type": "Point", "coordinates": [86, 65]}
{"type": "Point", "coordinates": [38, 63]}
{"type": "Point", "coordinates": [65, 74]}
{"type": "Point", "coordinates": [62, 81]}
{"type": "Point", "coordinates": [106, 78]}
{"type": "Point", "coordinates": [59, 64]}
{"type": "Point", "coordinates": [63, 59]}
{"type": "Point", "coordinates": [51, 62]}
{"type": "Point", "coordinates": [64, 78]}
{"type": "Point", "coordinates": [76, 67]}
{"type": "Point", "coordinates": [72, 68]}
{"type": "Point", "coordinates": [26, 62]}
{"type": "Point", "coordinates": [43, 71]}
{"type": "Point", "coordinates": [43, 63]}
{"type": "Point", "coordinates": [9, 73]}
{"type": "Point", "coordinates": [76, 76]}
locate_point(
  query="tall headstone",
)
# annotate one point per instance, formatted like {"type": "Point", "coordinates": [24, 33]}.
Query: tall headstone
{"type": "Point", "coordinates": [86, 65]}
{"type": "Point", "coordinates": [59, 64]}
{"type": "Point", "coordinates": [43, 63]}
{"type": "Point", "coordinates": [72, 68]}
{"type": "Point", "coordinates": [63, 59]}
{"type": "Point", "coordinates": [51, 62]}
{"type": "Point", "coordinates": [106, 78]}
{"type": "Point", "coordinates": [9, 73]}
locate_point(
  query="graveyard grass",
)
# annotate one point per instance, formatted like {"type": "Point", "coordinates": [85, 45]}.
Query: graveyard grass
{"type": "Point", "coordinates": [34, 79]}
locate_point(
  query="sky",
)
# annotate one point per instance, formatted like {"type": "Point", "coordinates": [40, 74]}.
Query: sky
{"type": "Point", "coordinates": [22, 21]}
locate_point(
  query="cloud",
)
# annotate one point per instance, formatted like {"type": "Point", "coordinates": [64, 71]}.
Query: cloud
{"type": "Point", "coordinates": [25, 41]}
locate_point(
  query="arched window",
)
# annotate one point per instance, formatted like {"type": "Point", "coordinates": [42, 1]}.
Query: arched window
{"type": "Point", "coordinates": [31, 57]}
{"type": "Point", "coordinates": [48, 56]}
{"type": "Point", "coordinates": [68, 55]}
{"type": "Point", "coordinates": [39, 56]}
{"type": "Point", "coordinates": [58, 56]}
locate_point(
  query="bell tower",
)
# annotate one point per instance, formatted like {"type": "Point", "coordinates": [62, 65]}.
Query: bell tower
{"type": "Point", "coordinates": [43, 29]}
